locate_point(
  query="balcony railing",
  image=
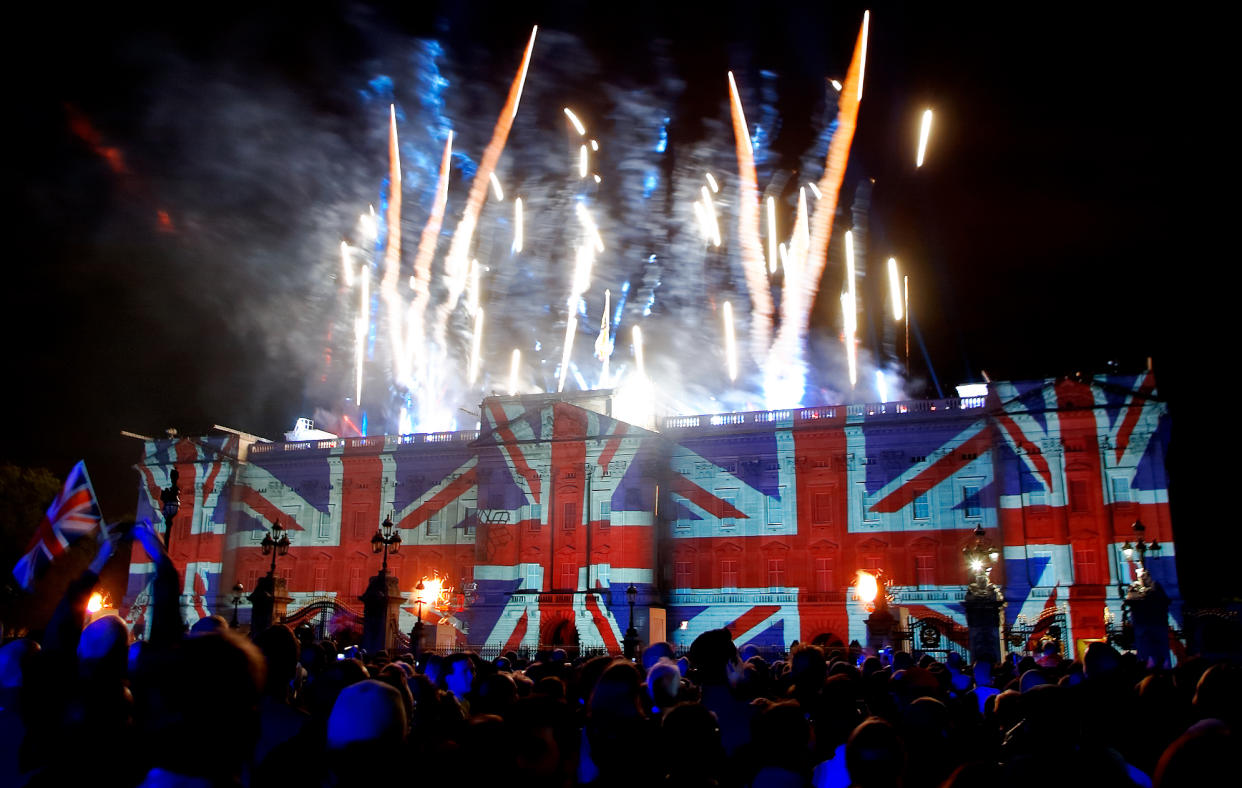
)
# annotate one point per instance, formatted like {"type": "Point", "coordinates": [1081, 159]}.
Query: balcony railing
{"type": "Point", "coordinates": [385, 442]}
{"type": "Point", "coordinates": [895, 409]}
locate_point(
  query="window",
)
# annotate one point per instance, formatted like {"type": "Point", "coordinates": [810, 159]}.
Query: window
{"type": "Point", "coordinates": [922, 506]}
{"type": "Point", "coordinates": [321, 577]}
{"type": "Point", "coordinates": [287, 574]}
{"type": "Point", "coordinates": [257, 532]}
{"type": "Point", "coordinates": [472, 517]}
{"type": "Point", "coordinates": [871, 564]}
{"type": "Point", "coordinates": [683, 574]}
{"type": "Point", "coordinates": [925, 569]}
{"type": "Point", "coordinates": [776, 510]}
{"type": "Point", "coordinates": [568, 575]}
{"type": "Point", "coordinates": [324, 531]}
{"type": "Point", "coordinates": [1121, 490]}
{"type": "Point", "coordinates": [970, 500]}
{"type": "Point", "coordinates": [362, 524]}
{"type": "Point", "coordinates": [1078, 496]}
{"type": "Point", "coordinates": [728, 498]}
{"type": "Point", "coordinates": [252, 577]}
{"type": "Point", "coordinates": [605, 513]}
{"type": "Point", "coordinates": [864, 505]}
{"type": "Point", "coordinates": [823, 575]}
{"type": "Point", "coordinates": [776, 573]}
{"type": "Point", "coordinates": [601, 573]}
{"type": "Point", "coordinates": [821, 508]}
{"type": "Point", "coordinates": [728, 574]}
{"type": "Point", "coordinates": [569, 516]}
{"type": "Point", "coordinates": [1086, 569]}
{"type": "Point", "coordinates": [533, 580]}
{"type": "Point", "coordinates": [355, 582]}
{"type": "Point", "coordinates": [433, 523]}
{"type": "Point", "coordinates": [536, 516]}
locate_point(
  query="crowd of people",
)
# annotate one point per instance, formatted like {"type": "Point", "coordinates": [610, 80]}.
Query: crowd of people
{"type": "Point", "coordinates": [83, 704]}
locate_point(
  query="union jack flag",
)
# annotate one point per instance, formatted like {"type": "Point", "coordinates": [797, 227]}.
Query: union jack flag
{"type": "Point", "coordinates": [74, 514]}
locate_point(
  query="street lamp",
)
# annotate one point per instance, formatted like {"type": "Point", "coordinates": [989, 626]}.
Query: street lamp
{"type": "Point", "coordinates": [416, 635]}
{"type": "Point", "coordinates": [275, 543]}
{"type": "Point", "coordinates": [631, 634]}
{"type": "Point", "coordinates": [1143, 547]}
{"type": "Point", "coordinates": [170, 504]}
{"type": "Point", "coordinates": [237, 598]}
{"type": "Point", "coordinates": [980, 556]}
{"type": "Point", "coordinates": [386, 537]}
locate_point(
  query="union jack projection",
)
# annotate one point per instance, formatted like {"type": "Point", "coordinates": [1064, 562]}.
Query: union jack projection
{"type": "Point", "coordinates": [757, 522]}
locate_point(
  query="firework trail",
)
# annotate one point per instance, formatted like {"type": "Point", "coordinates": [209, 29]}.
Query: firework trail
{"type": "Point", "coordinates": [748, 231]}
{"type": "Point", "coordinates": [421, 279]}
{"type": "Point", "coordinates": [798, 322]}
{"type": "Point", "coordinates": [455, 263]}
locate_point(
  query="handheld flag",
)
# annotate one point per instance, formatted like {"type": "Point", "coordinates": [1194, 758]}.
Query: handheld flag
{"type": "Point", "coordinates": [74, 514]}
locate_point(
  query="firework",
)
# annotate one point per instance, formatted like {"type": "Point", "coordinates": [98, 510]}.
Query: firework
{"type": "Point", "coordinates": [798, 321]}
{"type": "Point", "coordinates": [588, 224]}
{"type": "Point", "coordinates": [748, 229]}
{"type": "Point", "coordinates": [517, 225]}
{"type": "Point", "coordinates": [361, 329]}
{"type": "Point", "coordinates": [729, 341]}
{"type": "Point", "coordinates": [771, 235]}
{"type": "Point", "coordinates": [571, 326]}
{"type": "Point", "coordinates": [711, 181]}
{"type": "Point", "coordinates": [710, 223]}
{"type": "Point", "coordinates": [894, 285]}
{"type": "Point", "coordinates": [515, 363]}
{"type": "Point", "coordinates": [346, 265]}
{"type": "Point", "coordinates": [569, 113]}
{"type": "Point", "coordinates": [496, 190]}
{"type": "Point", "coordinates": [594, 145]}
{"type": "Point", "coordinates": [924, 133]}
{"type": "Point", "coordinates": [463, 236]}
{"type": "Point", "coordinates": [814, 189]}
{"type": "Point", "coordinates": [475, 344]}
{"type": "Point", "coordinates": [582, 161]}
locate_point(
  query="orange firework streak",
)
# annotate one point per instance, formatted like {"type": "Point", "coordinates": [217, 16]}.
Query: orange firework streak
{"type": "Point", "coordinates": [797, 322]}
{"type": "Point", "coordinates": [459, 249]}
{"type": "Point", "coordinates": [455, 263]}
{"type": "Point", "coordinates": [748, 231]}
{"type": "Point", "coordinates": [422, 259]}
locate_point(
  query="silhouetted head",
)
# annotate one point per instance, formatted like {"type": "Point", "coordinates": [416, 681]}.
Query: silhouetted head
{"type": "Point", "coordinates": [458, 674]}
{"type": "Point", "coordinates": [655, 652]}
{"type": "Point", "coordinates": [104, 647]}
{"type": "Point", "coordinates": [874, 755]}
{"type": "Point", "coordinates": [369, 712]}
{"type": "Point", "coordinates": [1202, 755]}
{"type": "Point", "coordinates": [1100, 661]}
{"type": "Point", "coordinates": [279, 647]}
{"type": "Point", "coordinates": [617, 693]}
{"type": "Point", "coordinates": [715, 656]}
{"type": "Point", "coordinates": [208, 624]}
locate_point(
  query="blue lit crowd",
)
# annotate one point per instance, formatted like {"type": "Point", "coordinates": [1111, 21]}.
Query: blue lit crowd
{"type": "Point", "coordinates": [83, 704]}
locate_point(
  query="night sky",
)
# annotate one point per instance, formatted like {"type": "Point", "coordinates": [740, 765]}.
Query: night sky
{"type": "Point", "coordinates": [1057, 224]}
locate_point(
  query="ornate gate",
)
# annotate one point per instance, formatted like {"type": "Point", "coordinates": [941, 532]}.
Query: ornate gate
{"type": "Point", "coordinates": [1025, 636]}
{"type": "Point", "coordinates": [937, 636]}
{"type": "Point", "coordinates": [326, 616]}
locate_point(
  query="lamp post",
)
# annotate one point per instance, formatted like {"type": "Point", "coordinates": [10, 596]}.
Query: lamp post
{"type": "Point", "coordinates": [1141, 546]}
{"type": "Point", "coordinates": [237, 598]}
{"type": "Point", "coordinates": [983, 601]}
{"type": "Point", "coordinates": [416, 634]}
{"type": "Point", "coordinates": [1145, 603]}
{"type": "Point", "coordinates": [170, 504]}
{"type": "Point", "coordinates": [631, 634]}
{"type": "Point", "coordinates": [387, 537]}
{"type": "Point", "coordinates": [275, 543]}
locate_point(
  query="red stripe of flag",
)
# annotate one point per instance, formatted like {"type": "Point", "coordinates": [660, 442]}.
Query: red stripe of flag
{"type": "Point", "coordinates": [450, 493]}
{"type": "Point", "coordinates": [935, 473]}
{"type": "Point", "coordinates": [751, 619]}
{"type": "Point", "coordinates": [705, 500]}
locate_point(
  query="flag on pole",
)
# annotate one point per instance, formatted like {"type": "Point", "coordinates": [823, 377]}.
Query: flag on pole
{"type": "Point", "coordinates": [74, 514]}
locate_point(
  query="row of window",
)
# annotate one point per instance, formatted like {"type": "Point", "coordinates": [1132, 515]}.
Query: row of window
{"type": "Point", "coordinates": [685, 573]}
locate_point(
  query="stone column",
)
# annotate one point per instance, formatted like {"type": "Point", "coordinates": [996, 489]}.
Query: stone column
{"type": "Point", "coordinates": [1149, 615]}
{"type": "Point", "coordinates": [983, 613]}
{"type": "Point", "coordinates": [381, 604]}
